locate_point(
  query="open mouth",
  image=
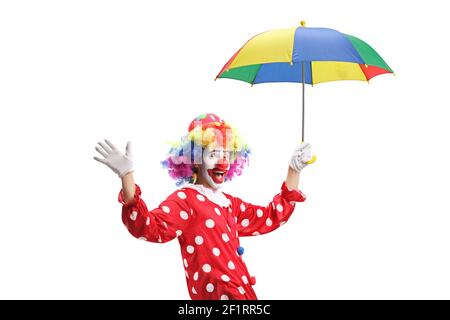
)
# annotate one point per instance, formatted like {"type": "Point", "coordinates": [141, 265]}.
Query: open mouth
{"type": "Point", "coordinates": [218, 176]}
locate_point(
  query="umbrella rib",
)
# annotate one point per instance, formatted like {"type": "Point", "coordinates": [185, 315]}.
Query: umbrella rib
{"type": "Point", "coordinates": [362, 70]}
{"type": "Point", "coordinates": [256, 74]}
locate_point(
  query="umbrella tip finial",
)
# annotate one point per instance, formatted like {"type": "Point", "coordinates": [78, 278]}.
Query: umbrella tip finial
{"type": "Point", "coordinates": [303, 23]}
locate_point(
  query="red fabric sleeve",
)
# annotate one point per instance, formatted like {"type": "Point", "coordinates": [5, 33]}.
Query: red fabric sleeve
{"type": "Point", "coordinates": [253, 220]}
{"type": "Point", "coordinates": [161, 224]}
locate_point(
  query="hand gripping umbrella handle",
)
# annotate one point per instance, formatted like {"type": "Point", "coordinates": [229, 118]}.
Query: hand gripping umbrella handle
{"type": "Point", "coordinates": [313, 158]}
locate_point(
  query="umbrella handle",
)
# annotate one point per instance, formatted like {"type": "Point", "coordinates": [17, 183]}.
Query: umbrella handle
{"type": "Point", "coordinates": [313, 159]}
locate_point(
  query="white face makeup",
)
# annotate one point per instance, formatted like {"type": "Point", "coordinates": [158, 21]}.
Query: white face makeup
{"type": "Point", "coordinates": [215, 166]}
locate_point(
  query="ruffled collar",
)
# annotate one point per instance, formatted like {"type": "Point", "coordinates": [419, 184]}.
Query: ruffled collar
{"type": "Point", "coordinates": [215, 196]}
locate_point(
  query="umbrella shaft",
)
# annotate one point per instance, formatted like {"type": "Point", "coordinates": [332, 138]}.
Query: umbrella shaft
{"type": "Point", "coordinates": [303, 101]}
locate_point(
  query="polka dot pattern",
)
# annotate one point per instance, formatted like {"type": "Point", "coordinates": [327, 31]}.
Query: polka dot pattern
{"type": "Point", "coordinates": [184, 215]}
{"type": "Point", "coordinates": [206, 268]}
{"type": "Point", "coordinates": [190, 249]}
{"type": "Point", "coordinates": [208, 235]}
{"type": "Point", "coordinates": [225, 278]}
{"type": "Point", "coordinates": [210, 223]}
{"type": "Point", "coordinates": [199, 240]}
{"type": "Point", "coordinates": [225, 237]}
{"type": "Point", "coordinates": [165, 209]}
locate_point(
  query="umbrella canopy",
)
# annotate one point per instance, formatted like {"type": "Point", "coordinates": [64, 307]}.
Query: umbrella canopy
{"type": "Point", "coordinates": [326, 54]}
{"type": "Point", "coordinates": [304, 55]}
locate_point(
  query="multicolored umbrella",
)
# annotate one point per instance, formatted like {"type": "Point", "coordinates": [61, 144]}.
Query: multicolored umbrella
{"type": "Point", "coordinates": [304, 55]}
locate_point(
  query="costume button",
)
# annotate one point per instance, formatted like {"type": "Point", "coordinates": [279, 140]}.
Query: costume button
{"type": "Point", "coordinates": [252, 281]}
{"type": "Point", "coordinates": [240, 251]}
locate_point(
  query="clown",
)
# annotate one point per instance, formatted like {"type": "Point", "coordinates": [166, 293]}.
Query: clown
{"type": "Point", "coordinates": [206, 221]}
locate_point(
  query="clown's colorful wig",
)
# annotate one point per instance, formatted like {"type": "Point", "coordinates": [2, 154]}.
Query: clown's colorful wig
{"type": "Point", "coordinates": [204, 130]}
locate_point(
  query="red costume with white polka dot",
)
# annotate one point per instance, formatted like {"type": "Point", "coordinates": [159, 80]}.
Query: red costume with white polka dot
{"type": "Point", "coordinates": [209, 236]}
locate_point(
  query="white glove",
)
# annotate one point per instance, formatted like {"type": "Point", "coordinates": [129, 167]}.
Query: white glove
{"type": "Point", "coordinates": [120, 163]}
{"type": "Point", "coordinates": [301, 157]}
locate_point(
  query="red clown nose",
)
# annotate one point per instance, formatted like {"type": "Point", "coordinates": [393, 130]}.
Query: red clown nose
{"type": "Point", "coordinates": [222, 164]}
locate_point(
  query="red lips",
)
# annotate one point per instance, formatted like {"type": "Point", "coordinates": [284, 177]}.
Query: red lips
{"type": "Point", "coordinates": [219, 172]}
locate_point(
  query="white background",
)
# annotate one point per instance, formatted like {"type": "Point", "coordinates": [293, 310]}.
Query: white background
{"type": "Point", "coordinates": [376, 223]}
